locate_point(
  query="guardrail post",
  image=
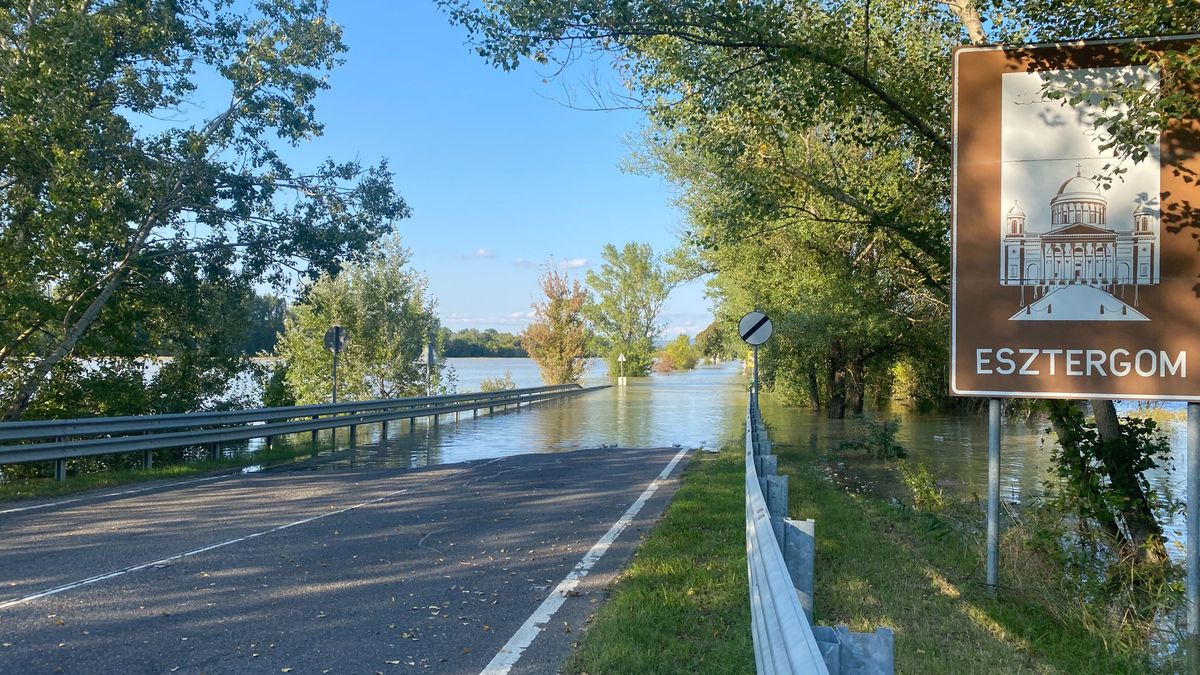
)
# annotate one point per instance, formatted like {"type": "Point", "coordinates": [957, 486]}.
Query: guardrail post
{"type": "Point", "coordinates": [147, 459]}
{"type": "Point", "coordinates": [491, 410]}
{"type": "Point", "coordinates": [353, 435]}
{"type": "Point", "coordinates": [314, 432]}
{"type": "Point", "coordinates": [775, 491]}
{"type": "Point", "coordinates": [435, 419]}
{"type": "Point", "coordinates": [767, 465]}
{"type": "Point", "coordinates": [60, 469]}
{"type": "Point", "coordinates": [799, 552]}
{"type": "Point", "coordinates": [270, 442]}
{"type": "Point", "coordinates": [412, 424]}
{"type": "Point", "coordinates": [383, 431]}
{"type": "Point", "coordinates": [213, 449]}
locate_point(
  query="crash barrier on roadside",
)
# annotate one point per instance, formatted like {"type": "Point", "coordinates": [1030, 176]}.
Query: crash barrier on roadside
{"type": "Point", "coordinates": [60, 440]}
{"type": "Point", "coordinates": [780, 553]}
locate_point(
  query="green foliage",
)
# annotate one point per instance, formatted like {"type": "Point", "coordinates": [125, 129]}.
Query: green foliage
{"type": "Point", "coordinates": [389, 317]}
{"type": "Point", "coordinates": [631, 288]}
{"type": "Point", "coordinates": [276, 392]}
{"type": "Point", "coordinates": [264, 324]}
{"type": "Point", "coordinates": [558, 337]}
{"type": "Point", "coordinates": [498, 383]}
{"type": "Point", "coordinates": [471, 342]}
{"type": "Point", "coordinates": [678, 354]}
{"type": "Point", "coordinates": [926, 494]}
{"type": "Point", "coordinates": [878, 441]}
{"type": "Point", "coordinates": [128, 227]}
{"type": "Point", "coordinates": [716, 343]}
{"type": "Point", "coordinates": [1104, 480]}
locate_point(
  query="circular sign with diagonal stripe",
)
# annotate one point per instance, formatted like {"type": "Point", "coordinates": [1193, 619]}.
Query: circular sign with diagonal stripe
{"type": "Point", "coordinates": [755, 328]}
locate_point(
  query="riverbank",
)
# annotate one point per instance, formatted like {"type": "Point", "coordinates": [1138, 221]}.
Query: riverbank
{"type": "Point", "coordinates": [681, 606]}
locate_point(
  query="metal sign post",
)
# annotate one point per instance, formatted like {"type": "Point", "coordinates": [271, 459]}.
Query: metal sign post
{"type": "Point", "coordinates": [993, 505]}
{"type": "Point", "coordinates": [755, 328]}
{"type": "Point", "coordinates": [621, 379]}
{"type": "Point", "coordinates": [1193, 521]}
{"type": "Point", "coordinates": [335, 341]}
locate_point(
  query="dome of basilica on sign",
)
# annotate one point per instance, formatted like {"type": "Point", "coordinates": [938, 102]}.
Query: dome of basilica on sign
{"type": "Point", "coordinates": [1079, 187]}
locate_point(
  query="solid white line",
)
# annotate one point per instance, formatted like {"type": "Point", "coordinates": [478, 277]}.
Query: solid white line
{"type": "Point", "coordinates": [511, 652]}
{"type": "Point", "coordinates": [161, 561]}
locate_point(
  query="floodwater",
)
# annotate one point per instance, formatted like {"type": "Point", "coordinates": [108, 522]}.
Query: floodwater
{"type": "Point", "coordinates": [955, 449]}
{"type": "Point", "coordinates": [705, 408]}
{"type": "Point", "coordinates": [701, 408]}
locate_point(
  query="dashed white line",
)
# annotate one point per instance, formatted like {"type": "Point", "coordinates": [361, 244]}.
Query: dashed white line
{"type": "Point", "coordinates": [122, 493]}
{"type": "Point", "coordinates": [512, 650]}
{"type": "Point", "coordinates": [162, 561]}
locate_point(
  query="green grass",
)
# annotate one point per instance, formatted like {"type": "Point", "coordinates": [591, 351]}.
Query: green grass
{"type": "Point", "coordinates": [880, 565]}
{"type": "Point", "coordinates": [40, 488]}
{"type": "Point", "coordinates": [681, 605]}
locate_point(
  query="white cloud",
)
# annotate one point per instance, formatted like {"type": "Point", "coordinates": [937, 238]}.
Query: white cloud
{"type": "Point", "coordinates": [523, 263]}
{"type": "Point", "coordinates": [521, 315]}
{"type": "Point", "coordinates": [483, 253]}
{"type": "Point", "coordinates": [573, 264]}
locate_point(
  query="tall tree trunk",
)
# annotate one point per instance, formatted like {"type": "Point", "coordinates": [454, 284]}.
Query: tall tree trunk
{"type": "Point", "coordinates": [1145, 532]}
{"type": "Point", "coordinates": [814, 391]}
{"type": "Point", "coordinates": [855, 386]}
{"type": "Point", "coordinates": [836, 382]}
{"type": "Point", "coordinates": [1082, 478]}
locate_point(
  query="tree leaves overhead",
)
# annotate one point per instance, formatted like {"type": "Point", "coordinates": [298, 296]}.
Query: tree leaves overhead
{"type": "Point", "coordinates": [115, 186]}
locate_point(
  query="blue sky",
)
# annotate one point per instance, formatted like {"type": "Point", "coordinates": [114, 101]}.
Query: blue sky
{"type": "Point", "coordinates": [501, 176]}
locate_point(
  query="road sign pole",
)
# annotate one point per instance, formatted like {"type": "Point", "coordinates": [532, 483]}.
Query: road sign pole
{"type": "Point", "coordinates": [993, 505]}
{"type": "Point", "coordinates": [1193, 520]}
{"type": "Point", "coordinates": [754, 388]}
{"type": "Point", "coordinates": [335, 355]}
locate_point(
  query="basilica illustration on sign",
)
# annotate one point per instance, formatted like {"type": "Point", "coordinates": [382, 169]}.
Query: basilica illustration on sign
{"type": "Point", "coordinates": [1078, 267]}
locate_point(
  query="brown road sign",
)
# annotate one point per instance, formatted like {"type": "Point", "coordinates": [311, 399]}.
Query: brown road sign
{"type": "Point", "coordinates": [1074, 271]}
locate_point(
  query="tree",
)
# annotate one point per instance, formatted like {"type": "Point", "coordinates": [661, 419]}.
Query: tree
{"type": "Point", "coordinates": [678, 354]}
{"type": "Point", "coordinates": [631, 288]}
{"type": "Point", "coordinates": [777, 116]}
{"type": "Point", "coordinates": [557, 339]}
{"type": "Point", "coordinates": [389, 317]}
{"type": "Point", "coordinates": [121, 214]}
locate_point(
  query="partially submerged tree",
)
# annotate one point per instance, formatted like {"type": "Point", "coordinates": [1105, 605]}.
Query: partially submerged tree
{"type": "Point", "coordinates": [125, 220]}
{"type": "Point", "coordinates": [678, 354]}
{"type": "Point", "coordinates": [388, 314]}
{"type": "Point", "coordinates": [631, 288]}
{"type": "Point", "coordinates": [557, 339]}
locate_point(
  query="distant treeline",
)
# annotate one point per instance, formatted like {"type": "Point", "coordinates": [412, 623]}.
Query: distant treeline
{"type": "Point", "coordinates": [473, 342]}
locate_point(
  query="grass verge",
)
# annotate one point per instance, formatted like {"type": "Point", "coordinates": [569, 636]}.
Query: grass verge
{"type": "Point", "coordinates": [914, 572]}
{"type": "Point", "coordinates": [681, 605]}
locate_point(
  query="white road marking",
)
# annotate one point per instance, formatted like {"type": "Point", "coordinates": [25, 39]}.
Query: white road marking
{"type": "Point", "coordinates": [116, 494]}
{"type": "Point", "coordinates": [162, 561]}
{"type": "Point", "coordinates": [511, 652]}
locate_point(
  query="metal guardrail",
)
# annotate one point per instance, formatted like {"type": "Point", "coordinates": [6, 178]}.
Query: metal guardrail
{"type": "Point", "coordinates": [145, 433]}
{"type": "Point", "coordinates": [780, 557]}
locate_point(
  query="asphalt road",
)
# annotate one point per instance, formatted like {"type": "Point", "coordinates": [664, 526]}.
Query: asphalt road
{"type": "Point", "coordinates": [355, 571]}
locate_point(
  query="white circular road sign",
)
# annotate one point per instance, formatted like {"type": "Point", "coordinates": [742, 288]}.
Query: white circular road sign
{"type": "Point", "coordinates": [755, 328]}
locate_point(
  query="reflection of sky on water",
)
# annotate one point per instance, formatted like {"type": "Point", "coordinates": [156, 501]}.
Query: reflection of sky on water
{"type": "Point", "coordinates": [955, 448]}
{"type": "Point", "coordinates": [699, 408]}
